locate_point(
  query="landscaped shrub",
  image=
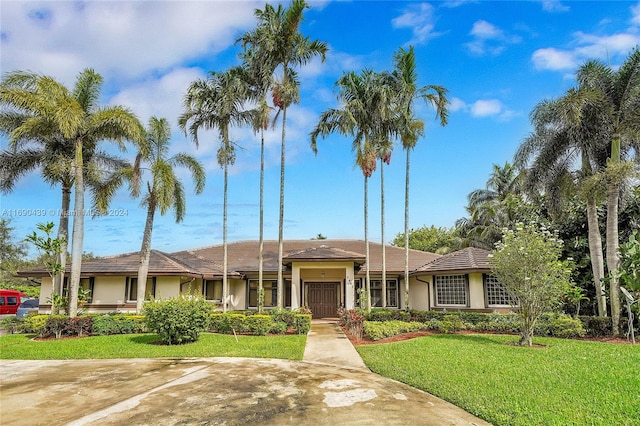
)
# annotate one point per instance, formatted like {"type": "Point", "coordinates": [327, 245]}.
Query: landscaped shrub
{"type": "Point", "coordinates": [178, 320]}
{"type": "Point", "coordinates": [352, 319]}
{"type": "Point", "coordinates": [80, 326]}
{"type": "Point", "coordinates": [388, 315]}
{"type": "Point", "coordinates": [117, 323]}
{"type": "Point", "coordinates": [279, 327]}
{"type": "Point", "coordinates": [236, 322]}
{"type": "Point", "coordinates": [426, 316]}
{"type": "Point", "coordinates": [377, 330]}
{"type": "Point", "coordinates": [596, 326]}
{"type": "Point", "coordinates": [12, 325]}
{"type": "Point", "coordinates": [284, 315]}
{"type": "Point", "coordinates": [450, 324]}
{"type": "Point", "coordinates": [35, 324]}
{"type": "Point", "coordinates": [302, 323]}
{"type": "Point", "coordinates": [258, 325]}
{"type": "Point", "coordinates": [56, 325]}
{"type": "Point", "coordinates": [566, 327]}
{"type": "Point", "coordinates": [219, 323]}
{"type": "Point", "coordinates": [503, 323]}
{"type": "Point", "coordinates": [303, 310]}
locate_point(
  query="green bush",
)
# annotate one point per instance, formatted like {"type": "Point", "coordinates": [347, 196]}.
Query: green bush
{"type": "Point", "coordinates": [80, 326]}
{"type": "Point", "coordinates": [259, 325]}
{"type": "Point", "coordinates": [219, 323]}
{"type": "Point", "coordinates": [450, 324]}
{"type": "Point", "coordinates": [178, 320]}
{"type": "Point", "coordinates": [236, 322]}
{"type": "Point", "coordinates": [12, 325]}
{"type": "Point", "coordinates": [566, 327]}
{"type": "Point", "coordinates": [377, 330]}
{"type": "Point", "coordinates": [285, 315]}
{"type": "Point", "coordinates": [596, 326]}
{"type": "Point", "coordinates": [388, 315]}
{"type": "Point", "coordinates": [35, 324]}
{"type": "Point", "coordinates": [302, 323]}
{"type": "Point", "coordinates": [117, 323]}
{"type": "Point", "coordinates": [502, 323]}
{"type": "Point", "coordinates": [279, 327]}
{"type": "Point", "coordinates": [56, 325]}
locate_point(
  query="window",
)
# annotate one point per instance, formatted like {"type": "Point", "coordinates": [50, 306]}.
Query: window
{"type": "Point", "coordinates": [495, 293]}
{"type": "Point", "coordinates": [376, 292]}
{"type": "Point", "coordinates": [132, 288]}
{"type": "Point", "coordinates": [212, 290]}
{"type": "Point", "coordinates": [270, 288]}
{"type": "Point", "coordinates": [87, 285]}
{"type": "Point", "coordinates": [451, 290]}
{"type": "Point", "coordinates": [12, 301]}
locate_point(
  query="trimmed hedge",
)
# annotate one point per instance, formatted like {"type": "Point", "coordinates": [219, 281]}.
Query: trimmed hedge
{"type": "Point", "coordinates": [259, 324]}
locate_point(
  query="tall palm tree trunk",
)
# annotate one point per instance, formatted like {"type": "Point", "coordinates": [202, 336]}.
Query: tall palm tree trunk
{"type": "Point", "coordinates": [406, 233]}
{"type": "Point", "coordinates": [595, 253]}
{"type": "Point", "coordinates": [384, 252]}
{"type": "Point", "coordinates": [145, 254]}
{"type": "Point", "coordinates": [613, 260]}
{"type": "Point", "coordinates": [225, 283]}
{"type": "Point", "coordinates": [281, 215]}
{"type": "Point", "coordinates": [78, 231]}
{"type": "Point", "coordinates": [261, 244]}
{"type": "Point", "coordinates": [367, 279]}
{"type": "Point", "coordinates": [63, 235]}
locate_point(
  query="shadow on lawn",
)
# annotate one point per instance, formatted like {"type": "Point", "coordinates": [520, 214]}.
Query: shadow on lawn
{"type": "Point", "coordinates": [144, 339]}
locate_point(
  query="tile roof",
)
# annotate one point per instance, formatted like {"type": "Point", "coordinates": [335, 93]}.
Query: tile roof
{"type": "Point", "coordinates": [467, 260]}
{"type": "Point", "coordinates": [243, 259]}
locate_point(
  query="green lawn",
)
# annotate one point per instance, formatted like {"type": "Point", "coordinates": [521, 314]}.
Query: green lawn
{"type": "Point", "coordinates": [568, 382]}
{"type": "Point", "coordinates": [20, 346]}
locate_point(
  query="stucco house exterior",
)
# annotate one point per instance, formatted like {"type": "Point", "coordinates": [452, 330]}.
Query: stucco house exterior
{"type": "Point", "coordinates": [322, 275]}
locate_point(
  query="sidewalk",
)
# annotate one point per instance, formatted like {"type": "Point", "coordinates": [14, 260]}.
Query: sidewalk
{"type": "Point", "coordinates": [327, 344]}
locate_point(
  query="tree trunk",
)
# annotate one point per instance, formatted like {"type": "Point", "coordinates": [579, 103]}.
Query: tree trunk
{"type": "Point", "coordinates": [261, 244]}
{"type": "Point", "coordinates": [225, 283]}
{"type": "Point", "coordinates": [281, 215]}
{"type": "Point", "coordinates": [63, 235]}
{"type": "Point", "coordinates": [406, 233]}
{"type": "Point", "coordinates": [145, 254]}
{"type": "Point", "coordinates": [612, 255]}
{"type": "Point", "coordinates": [384, 254]}
{"type": "Point", "coordinates": [595, 252]}
{"type": "Point", "coordinates": [367, 280]}
{"type": "Point", "coordinates": [78, 231]}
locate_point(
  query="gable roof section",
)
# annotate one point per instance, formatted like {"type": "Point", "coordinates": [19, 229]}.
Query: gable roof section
{"type": "Point", "coordinates": [324, 253]}
{"type": "Point", "coordinates": [470, 259]}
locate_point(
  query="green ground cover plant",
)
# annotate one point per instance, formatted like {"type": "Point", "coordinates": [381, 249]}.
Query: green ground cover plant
{"type": "Point", "coordinates": [560, 383]}
{"type": "Point", "coordinates": [20, 346]}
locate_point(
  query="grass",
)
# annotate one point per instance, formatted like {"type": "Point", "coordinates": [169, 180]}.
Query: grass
{"type": "Point", "coordinates": [568, 382]}
{"type": "Point", "coordinates": [20, 346]}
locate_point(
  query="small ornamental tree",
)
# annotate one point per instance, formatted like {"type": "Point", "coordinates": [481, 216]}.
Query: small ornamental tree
{"type": "Point", "coordinates": [178, 320]}
{"type": "Point", "coordinates": [527, 263]}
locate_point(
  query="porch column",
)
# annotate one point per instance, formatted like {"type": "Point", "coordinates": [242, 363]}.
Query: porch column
{"type": "Point", "coordinates": [349, 294]}
{"type": "Point", "coordinates": [295, 286]}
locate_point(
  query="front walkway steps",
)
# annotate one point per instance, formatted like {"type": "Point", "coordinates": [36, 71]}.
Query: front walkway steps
{"type": "Point", "coordinates": [327, 344]}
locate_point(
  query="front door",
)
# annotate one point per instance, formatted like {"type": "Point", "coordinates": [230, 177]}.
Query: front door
{"type": "Point", "coordinates": [323, 299]}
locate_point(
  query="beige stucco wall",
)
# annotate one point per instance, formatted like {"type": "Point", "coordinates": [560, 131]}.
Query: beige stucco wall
{"type": "Point", "coordinates": [167, 287]}
{"type": "Point", "coordinates": [237, 294]}
{"type": "Point", "coordinates": [418, 293]}
{"type": "Point", "coordinates": [109, 290]}
{"type": "Point", "coordinates": [322, 272]}
{"type": "Point", "coordinates": [46, 289]}
{"type": "Point", "coordinates": [476, 291]}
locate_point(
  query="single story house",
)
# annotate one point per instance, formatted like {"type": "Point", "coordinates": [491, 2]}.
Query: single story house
{"type": "Point", "coordinates": [322, 275]}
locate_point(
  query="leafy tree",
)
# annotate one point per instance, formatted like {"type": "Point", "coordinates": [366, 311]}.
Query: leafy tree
{"type": "Point", "coordinates": [527, 263]}
{"type": "Point", "coordinates": [75, 116]}
{"type": "Point", "coordinates": [49, 249]}
{"type": "Point", "coordinates": [409, 127]}
{"type": "Point", "coordinates": [430, 239]}
{"type": "Point", "coordinates": [12, 254]}
{"type": "Point", "coordinates": [630, 263]}
{"type": "Point", "coordinates": [217, 103]}
{"type": "Point", "coordinates": [164, 189]}
{"type": "Point", "coordinates": [616, 100]}
{"type": "Point", "coordinates": [284, 47]}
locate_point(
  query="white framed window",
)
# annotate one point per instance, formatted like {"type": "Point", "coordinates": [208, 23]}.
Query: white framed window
{"type": "Point", "coordinates": [495, 293]}
{"type": "Point", "coordinates": [376, 292]}
{"type": "Point", "coordinates": [132, 288]}
{"type": "Point", "coordinates": [451, 290]}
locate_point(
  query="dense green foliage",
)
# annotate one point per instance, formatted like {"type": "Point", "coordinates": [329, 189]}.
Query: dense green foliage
{"type": "Point", "coordinates": [511, 385]}
{"type": "Point", "coordinates": [277, 321]}
{"type": "Point", "coordinates": [178, 320]}
{"type": "Point", "coordinates": [431, 239]}
{"type": "Point", "coordinates": [146, 346]}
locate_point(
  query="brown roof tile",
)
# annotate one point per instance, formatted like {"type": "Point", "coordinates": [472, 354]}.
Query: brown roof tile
{"type": "Point", "coordinates": [467, 260]}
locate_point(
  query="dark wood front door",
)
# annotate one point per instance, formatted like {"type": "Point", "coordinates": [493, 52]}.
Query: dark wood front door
{"type": "Point", "coordinates": [323, 299]}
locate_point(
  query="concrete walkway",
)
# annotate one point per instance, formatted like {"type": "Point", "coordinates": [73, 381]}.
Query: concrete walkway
{"type": "Point", "coordinates": [327, 344]}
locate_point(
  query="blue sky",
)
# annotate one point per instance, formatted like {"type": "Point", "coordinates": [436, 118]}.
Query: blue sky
{"type": "Point", "coordinates": [496, 58]}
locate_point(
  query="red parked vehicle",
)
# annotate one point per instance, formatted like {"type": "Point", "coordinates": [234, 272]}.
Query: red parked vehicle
{"type": "Point", "coordinates": [10, 300]}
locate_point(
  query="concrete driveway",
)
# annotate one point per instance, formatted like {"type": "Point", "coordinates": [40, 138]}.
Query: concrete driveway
{"type": "Point", "coordinates": [211, 391]}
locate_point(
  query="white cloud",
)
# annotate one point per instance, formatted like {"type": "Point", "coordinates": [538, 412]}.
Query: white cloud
{"type": "Point", "coordinates": [554, 6]}
{"type": "Point", "coordinates": [489, 39]}
{"type": "Point", "coordinates": [486, 107]}
{"type": "Point", "coordinates": [418, 17]}
{"type": "Point", "coordinates": [553, 59]}
{"type": "Point", "coordinates": [457, 104]}
{"type": "Point", "coordinates": [635, 14]}
{"type": "Point", "coordinates": [121, 38]}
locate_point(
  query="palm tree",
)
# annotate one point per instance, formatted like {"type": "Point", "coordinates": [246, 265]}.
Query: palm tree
{"type": "Point", "coordinates": [551, 152]}
{"type": "Point", "coordinates": [410, 128]}
{"type": "Point", "coordinates": [164, 190]}
{"type": "Point", "coordinates": [385, 147]}
{"type": "Point", "coordinates": [617, 104]}
{"type": "Point", "coordinates": [259, 77]}
{"type": "Point", "coordinates": [76, 116]}
{"type": "Point", "coordinates": [363, 115]}
{"type": "Point", "coordinates": [278, 36]}
{"type": "Point", "coordinates": [216, 103]}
